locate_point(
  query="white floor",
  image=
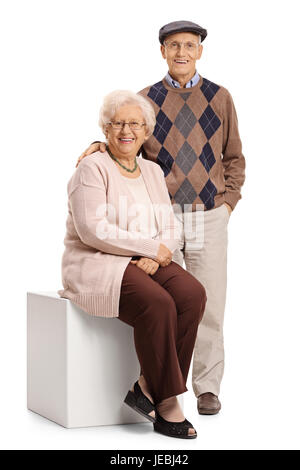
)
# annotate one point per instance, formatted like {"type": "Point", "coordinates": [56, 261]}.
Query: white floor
{"type": "Point", "coordinates": [249, 419]}
{"type": "Point", "coordinates": [259, 393]}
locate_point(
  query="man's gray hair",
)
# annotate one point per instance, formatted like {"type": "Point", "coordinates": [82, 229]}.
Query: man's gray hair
{"type": "Point", "coordinates": [114, 100]}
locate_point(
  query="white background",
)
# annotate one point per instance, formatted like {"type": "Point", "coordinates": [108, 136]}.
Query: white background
{"type": "Point", "coordinates": [58, 60]}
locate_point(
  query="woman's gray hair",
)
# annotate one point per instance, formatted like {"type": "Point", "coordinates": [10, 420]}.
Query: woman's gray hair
{"type": "Point", "coordinates": [114, 100]}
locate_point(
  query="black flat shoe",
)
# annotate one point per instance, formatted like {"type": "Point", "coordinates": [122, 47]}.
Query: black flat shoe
{"type": "Point", "coordinates": [173, 429]}
{"type": "Point", "coordinates": [140, 403]}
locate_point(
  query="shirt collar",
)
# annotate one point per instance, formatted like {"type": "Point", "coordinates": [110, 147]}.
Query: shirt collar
{"type": "Point", "coordinates": [173, 83]}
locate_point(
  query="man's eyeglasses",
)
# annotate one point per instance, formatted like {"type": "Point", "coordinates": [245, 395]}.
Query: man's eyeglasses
{"type": "Point", "coordinates": [189, 46]}
{"type": "Point", "coordinates": [134, 125]}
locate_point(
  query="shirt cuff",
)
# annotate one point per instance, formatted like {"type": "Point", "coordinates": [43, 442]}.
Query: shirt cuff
{"type": "Point", "coordinates": [232, 198]}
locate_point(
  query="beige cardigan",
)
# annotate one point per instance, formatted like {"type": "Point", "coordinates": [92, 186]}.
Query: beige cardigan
{"type": "Point", "coordinates": [99, 243]}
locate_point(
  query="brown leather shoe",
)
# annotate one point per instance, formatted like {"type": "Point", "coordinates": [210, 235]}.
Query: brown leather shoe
{"type": "Point", "coordinates": [208, 404]}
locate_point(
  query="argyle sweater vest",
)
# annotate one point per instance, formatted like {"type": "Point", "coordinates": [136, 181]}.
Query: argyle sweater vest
{"type": "Point", "coordinates": [196, 142]}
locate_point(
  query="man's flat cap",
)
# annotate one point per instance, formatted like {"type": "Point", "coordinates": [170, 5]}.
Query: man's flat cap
{"type": "Point", "coordinates": [181, 27]}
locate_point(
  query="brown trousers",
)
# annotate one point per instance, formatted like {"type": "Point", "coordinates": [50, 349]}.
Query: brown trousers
{"type": "Point", "coordinates": [165, 310]}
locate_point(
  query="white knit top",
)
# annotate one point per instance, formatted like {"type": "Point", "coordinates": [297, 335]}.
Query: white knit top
{"type": "Point", "coordinates": [145, 217]}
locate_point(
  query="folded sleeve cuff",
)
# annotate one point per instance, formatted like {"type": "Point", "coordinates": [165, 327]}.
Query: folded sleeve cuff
{"type": "Point", "coordinates": [232, 198]}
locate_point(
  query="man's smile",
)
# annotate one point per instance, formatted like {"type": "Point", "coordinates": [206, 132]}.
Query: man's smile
{"type": "Point", "coordinates": [180, 61]}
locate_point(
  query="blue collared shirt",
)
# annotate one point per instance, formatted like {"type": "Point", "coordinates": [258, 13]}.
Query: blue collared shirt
{"type": "Point", "coordinates": [175, 84]}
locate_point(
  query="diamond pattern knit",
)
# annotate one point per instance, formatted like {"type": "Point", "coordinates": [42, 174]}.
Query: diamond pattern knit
{"type": "Point", "coordinates": [196, 142]}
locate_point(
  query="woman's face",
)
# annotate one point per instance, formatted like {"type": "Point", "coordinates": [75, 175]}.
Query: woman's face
{"type": "Point", "coordinates": [125, 142]}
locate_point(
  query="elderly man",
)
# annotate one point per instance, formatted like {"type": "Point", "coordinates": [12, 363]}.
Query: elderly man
{"type": "Point", "coordinates": [196, 142]}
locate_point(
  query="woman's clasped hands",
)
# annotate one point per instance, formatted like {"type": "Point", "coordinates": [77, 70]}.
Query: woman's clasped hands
{"type": "Point", "coordinates": [146, 264]}
{"type": "Point", "coordinates": [150, 266]}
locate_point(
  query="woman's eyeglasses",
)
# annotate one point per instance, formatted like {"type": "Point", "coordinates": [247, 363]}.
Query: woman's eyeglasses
{"type": "Point", "coordinates": [134, 125]}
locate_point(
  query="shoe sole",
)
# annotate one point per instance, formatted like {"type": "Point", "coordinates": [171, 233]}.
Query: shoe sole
{"type": "Point", "coordinates": [191, 436]}
{"type": "Point", "coordinates": [207, 411]}
{"type": "Point", "coordinates": [130, 401]}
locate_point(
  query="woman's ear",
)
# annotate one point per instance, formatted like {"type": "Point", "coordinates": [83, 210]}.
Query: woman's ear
{"type": "Point", "coordinates": [147, 135]}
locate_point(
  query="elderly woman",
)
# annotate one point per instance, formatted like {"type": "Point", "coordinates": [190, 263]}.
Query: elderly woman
{"type": "Point", "coordinates": [121, 234]}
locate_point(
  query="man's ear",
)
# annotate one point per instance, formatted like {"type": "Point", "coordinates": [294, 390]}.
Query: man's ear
{"type": "Point", "coordinates": [200, 49]}
{"type": "Point", "coordinates": [163, 51]}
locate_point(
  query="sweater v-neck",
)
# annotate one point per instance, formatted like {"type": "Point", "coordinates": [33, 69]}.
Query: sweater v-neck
{"type": "Point", "coordinates": [183, 90]}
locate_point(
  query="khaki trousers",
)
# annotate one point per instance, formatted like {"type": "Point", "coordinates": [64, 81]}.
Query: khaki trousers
{"type": "Point", "coordinates": [205, 257]}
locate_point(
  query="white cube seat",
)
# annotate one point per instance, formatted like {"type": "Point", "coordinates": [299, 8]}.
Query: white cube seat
{"type": "Point", "coordinates": [79, 367]}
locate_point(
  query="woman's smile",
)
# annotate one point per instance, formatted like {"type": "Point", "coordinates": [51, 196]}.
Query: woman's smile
{"type": "Point", "coordinates": [124, 140]}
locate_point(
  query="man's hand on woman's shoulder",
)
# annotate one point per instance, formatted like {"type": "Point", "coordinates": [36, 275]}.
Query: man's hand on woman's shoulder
{"type": "Point", "coordinates": [94, 147]}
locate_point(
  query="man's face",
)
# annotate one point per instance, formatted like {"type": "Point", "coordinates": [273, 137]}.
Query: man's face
{"type": "Point", "coordinates": [181, 51]}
